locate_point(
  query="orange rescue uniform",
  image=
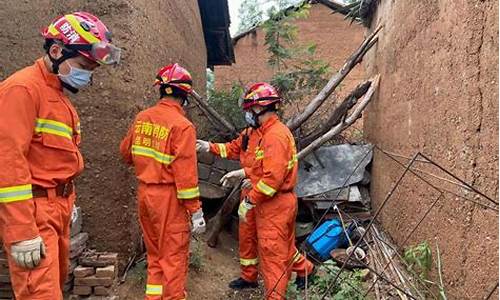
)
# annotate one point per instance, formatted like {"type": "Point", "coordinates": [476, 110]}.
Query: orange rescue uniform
{"type": "Point", "coordinates": [39, 134]}
{"type": "Point", "coordinates": [161, 145]}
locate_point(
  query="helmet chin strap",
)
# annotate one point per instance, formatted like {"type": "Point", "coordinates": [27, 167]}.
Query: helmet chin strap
{"type": "Point", "coordinates": [57, 62]}
{"type": "Point", "coordinates": [257, 115]}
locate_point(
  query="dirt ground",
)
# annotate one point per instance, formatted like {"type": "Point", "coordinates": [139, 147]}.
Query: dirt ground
{"type": "Point", "coordinates": [219, 266]}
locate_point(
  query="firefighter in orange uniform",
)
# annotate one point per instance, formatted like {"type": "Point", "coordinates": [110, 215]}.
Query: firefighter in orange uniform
{"type": "Point", "coordinates": [243, 148]}
{"type": "Point", "coordinates": [161, 145]}
{"type": "Point", "coordinates": [39, 139]}
{"type": "Point", "coordinates": [270, 204]}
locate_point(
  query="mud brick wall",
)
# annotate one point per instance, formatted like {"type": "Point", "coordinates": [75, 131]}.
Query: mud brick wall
{"type": "Point", "coordinates": [438, 94]}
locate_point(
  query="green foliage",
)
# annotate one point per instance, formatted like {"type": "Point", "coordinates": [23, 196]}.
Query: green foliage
{"type": "Point", "coordinates": [226, 103]}
{"type": "Point", "coordinates": [196, 256]}
{"type": "Point", "coordinates": [249, 14]}
{"type": "Point", "coordinates": [349, 285]}
{"type": "Point", "coordinates": [419, 259]}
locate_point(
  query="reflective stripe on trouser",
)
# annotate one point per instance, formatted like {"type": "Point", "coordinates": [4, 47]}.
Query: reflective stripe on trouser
{"type": "Point", "coordinates": [164, 222]}
{"type": "Point", "coordinates": [275, 220]}
{"type": "Point", "coordinates": [45, 282]}
{"type": "Point", "coordinates": [301, 265]}
{"type": "Point", "coordinates": [247, 241]}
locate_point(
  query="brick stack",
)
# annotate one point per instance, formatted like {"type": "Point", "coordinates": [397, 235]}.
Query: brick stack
{"type": "Point", "coordinates": [96, 275]}
{"type": "Point", "coordinates": [78, 244]}
{"type": "Point", "coordinates": [5, 287]}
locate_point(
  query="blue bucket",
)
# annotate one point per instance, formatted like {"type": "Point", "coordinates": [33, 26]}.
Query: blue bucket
{"type": "Point", "coordinates": [325, 238]}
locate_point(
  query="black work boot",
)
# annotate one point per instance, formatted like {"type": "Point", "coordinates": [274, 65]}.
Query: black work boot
{"type": "Point", "coordinates": [300, 281]}
{"type": "Point", "coordinates": [240, 283]}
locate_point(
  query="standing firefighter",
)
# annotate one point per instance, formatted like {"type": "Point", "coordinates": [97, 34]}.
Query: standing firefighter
{"type": "Point", "coordinates": [39, 139]}
{"type": "Point", "coordinates": [269, 207]}
{"type": "Point", "coordinates": [244, 148]}
{"type": "Point", "coordinates": [161, 145]}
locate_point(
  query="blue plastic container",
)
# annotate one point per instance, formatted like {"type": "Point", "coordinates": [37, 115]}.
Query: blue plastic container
{"type": "Point", "coordinates": [325, 238]}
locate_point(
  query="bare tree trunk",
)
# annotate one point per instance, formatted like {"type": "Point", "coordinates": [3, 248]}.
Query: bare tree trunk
{"type": "Point", "coordinates": [214, 114]}
{"type": "Point", "coordinates": [334, 81]}
{"type": "Point", "coordinates": [356, 114]}
{"type": "Point", "coordinates": [337, 115]}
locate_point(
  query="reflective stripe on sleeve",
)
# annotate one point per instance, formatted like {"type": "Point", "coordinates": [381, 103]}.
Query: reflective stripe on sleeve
{"type": "Point", "coordinates": [249, 261]}
{"type": "Point", "coordinates": [265, 189]}
{"type": "Point", "coordinates": [152, 153]}
{"type": "Point", "coordinates": [53, 127]}
{"type": "Point", "coordinates": [154, 289]}
{"type": "Point", "coordinates": [222, 150]}
{"type": "Point", "coordinates": [16, 193]}
{"type": "Point", "coordinates": [188, 193]}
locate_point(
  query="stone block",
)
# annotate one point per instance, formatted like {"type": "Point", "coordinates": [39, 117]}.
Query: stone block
{"type": "Point", "coordinates": [203, 171]}
{"type": "Point", "coordinates": [206, 158]}
{"type": "Point", "coordinates": [76, 221]}
{"type": "Point", "coordinates": [82, 290]}
{"type": "Point", "coordinates": [108, 271]}
{"type": "Point", "coordinates": [102, 291]}
{"type": "Point", "coordinates": [226, 164]}
{"type": "Point", "coordinates": [94, 281]}
{"type": "Point", "coordinates": [78, 243]}
{"type": "Point", "coordinates": [81, 272]}
{"type": "Point", "coordinates": [4, 278]}
{"type": "Point", "coordinates": [215, 176]}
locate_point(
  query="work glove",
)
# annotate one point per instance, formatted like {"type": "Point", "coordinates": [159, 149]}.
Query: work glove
{"type": "Point", "coordinates": [202, 146]}
{"type": "Point", "coordinates": [28, 254]}
{"type": "Point", "coordinates": [246, 184]}
{"type": "Point", "coordinates": [198, 222]}
{"type": "Point", "coordinates": [233, 176]}
{"type": "Point", "coordinates": [245, 206]}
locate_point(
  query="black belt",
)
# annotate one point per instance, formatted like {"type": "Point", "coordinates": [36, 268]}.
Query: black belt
{"type": "Point", "coordinates": [62, 190]}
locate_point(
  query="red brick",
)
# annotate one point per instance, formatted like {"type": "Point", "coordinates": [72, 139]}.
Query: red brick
{"type": "Point", "coordinates": [94, 281]}
{"type": "Point", "coordinates": [82, 290]}
{"type": "Point", "coordinates": [101, 291]}
{"type": "Point", "coordinates": [81, 272]}
{"type": "Point", "coordinates": [108, 258]}
{"type": "Point", "coordinates": [99, 259]}
{"type": "Point", "coordinates": [4, 278]}
{"type": "Point", "coordinates": [108, 271]}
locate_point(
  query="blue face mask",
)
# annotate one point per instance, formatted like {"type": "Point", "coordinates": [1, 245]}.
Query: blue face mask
{"type": "Point", "coordinates": [77, 78]}
{"type": "Point", "coordinates": [250, 119]}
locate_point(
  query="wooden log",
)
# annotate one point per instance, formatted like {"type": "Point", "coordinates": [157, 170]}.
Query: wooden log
{"type": "Point", "coordinates": [223, 215]}
{"type": "Point", "coordinates": [334, 81]}
{"type": "Point", "coordinates": [344, 123]}
{"type": "Point", "coordinates": [215, 115]}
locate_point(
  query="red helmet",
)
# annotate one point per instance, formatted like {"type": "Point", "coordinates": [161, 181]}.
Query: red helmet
{"type": "Point", "coordinates": [85, 33]}
{"type": "Point", "coordinates": [175, 76]}
{"type": "Point", "coordinates": [260, 93]}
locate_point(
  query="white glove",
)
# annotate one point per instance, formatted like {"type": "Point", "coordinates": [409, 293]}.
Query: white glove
{"type": "Point", "coordinates": [247, 184]}
{"type": "Point", "coordinates": [198, 222]}
{"type": "Point", "coordinates": [233, 175]}
{"type": "Point", "coordinates": [202, 146]}
{"type": "Point", "coordinates": [28, 254]}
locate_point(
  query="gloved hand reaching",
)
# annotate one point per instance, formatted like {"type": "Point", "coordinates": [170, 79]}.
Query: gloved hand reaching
{"type": "Point", "coordinates": [198, 222]}
{"type": "Point", "coordinates": [245, 207]}
{"type": "Point", "coordinates": [232, 176]}
{"type": "Point", "coordinates": [28, 254]}
{"type": "Point", "coordinates": [246, 184]}
{"type": "Point", "coordinates": [202, 146]}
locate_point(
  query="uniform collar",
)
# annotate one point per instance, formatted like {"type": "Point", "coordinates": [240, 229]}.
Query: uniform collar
{"type": "Point", "coordinates": [268, 123]}
{"type": "Point", "coordinates": [50, 79]}
{"type": "Point", "coordinates": [170, 102]}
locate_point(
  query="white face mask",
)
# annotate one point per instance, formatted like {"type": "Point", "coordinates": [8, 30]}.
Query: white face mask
{"type": "Point", "coordinates": [250, 119]}
{"type": "Point", "coordinates": [77, 78]}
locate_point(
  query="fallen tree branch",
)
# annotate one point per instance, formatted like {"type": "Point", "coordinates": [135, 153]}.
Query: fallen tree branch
{"type": "Point", "coordinates": [214, 114]}
{"type": "Point", "coordinates": [349, 120]}
{"type": "Point", "coordinates": [337, 114]}
{"type": "Point", "coordinates": [334, 81]}
{"type": "Point", "coordinates": [222, 216]}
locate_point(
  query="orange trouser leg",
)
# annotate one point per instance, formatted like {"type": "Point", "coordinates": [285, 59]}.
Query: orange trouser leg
{"type": "Point", "coordinates": [165, 226]}
{"type": "Point", "coordinates": [301, 265]}
{"type": "Point", "coordinates": [275, 219]}
{"type": "Point", "coordinates": [45, 282]}
{"type": "Point", "coordinates": [248, 247]}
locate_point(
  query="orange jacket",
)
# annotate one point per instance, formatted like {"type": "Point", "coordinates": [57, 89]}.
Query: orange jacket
{"type": "Point", "coordinates": [161, 145]}
{"type": "Point", "coordinates": [234, 149]}
{"type": "Point", "coordinates": [39, 134]}
{"type": "Point", "coordinates": [275, 167]}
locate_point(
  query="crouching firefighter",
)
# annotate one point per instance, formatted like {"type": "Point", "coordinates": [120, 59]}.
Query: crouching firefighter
{"type": "Point", "coordinates": [161, 146]}
{"type": "Point", "coordinates": [39, 142]}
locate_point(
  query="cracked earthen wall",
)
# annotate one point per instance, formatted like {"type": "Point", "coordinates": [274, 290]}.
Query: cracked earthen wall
{"type": "Point", "coordinates": [152, 34]}
{"type": "Point", "coordinates": [439, 95]}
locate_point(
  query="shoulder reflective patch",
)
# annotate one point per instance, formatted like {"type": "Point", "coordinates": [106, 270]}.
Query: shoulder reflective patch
{"type": "Point", "coordinates": [265, 189]}
{"type": "Point", "coordinates": [152, 153]}
{"type": "Point", "coordinates": [53, 127]}
{"type": "Point", "coordinates": [188, 193]}
{"type": "Point", "coordinates": [16, 193]}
